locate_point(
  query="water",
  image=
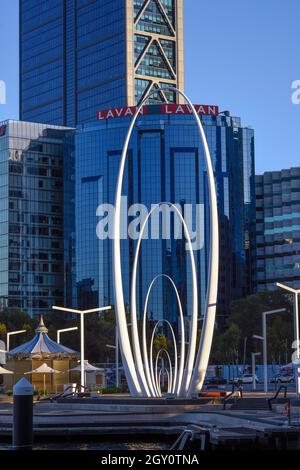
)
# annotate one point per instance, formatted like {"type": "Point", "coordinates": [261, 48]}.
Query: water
{"type": "Point", "coordinates": [93, 444]}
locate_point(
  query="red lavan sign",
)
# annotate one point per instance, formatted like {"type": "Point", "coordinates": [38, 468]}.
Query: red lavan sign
{"type": "Point", "coordinates": [177, 109]}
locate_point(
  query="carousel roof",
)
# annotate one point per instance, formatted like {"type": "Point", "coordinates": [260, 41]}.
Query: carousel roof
{"type": "Point", "coordinates": [41, 344]}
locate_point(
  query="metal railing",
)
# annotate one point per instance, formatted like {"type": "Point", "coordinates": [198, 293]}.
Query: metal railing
{"type": "Point", "coordinates": [235, 388]}
{"type": "Point", "coordinates": [73, 391]}
{"type": "Point", "coordinates": [282, 387]}
{"type": "Point", "coordinates": [194, 437]}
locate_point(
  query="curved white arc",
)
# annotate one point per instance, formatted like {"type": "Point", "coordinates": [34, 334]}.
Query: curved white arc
{"type": "Point", "coordinates": [144, 342]}
{"type": "Point", "coordinates": [127, 358]}
{"type": "Point", "coordinates": [157, 379]}
{"type": "Point", "coordinates": [213, 273]}
{"type": "Point", "coordinates": [169, 381]}
{"type": "Point", "coordinates": [157, 376]}
{"type": "Point", "coordinates": [177, 378]}
{"type": "Point", "coordinates": [158, 382]}
{"type": "Point", "coordinates": [193, 333]}
{"type": "Point", "coordinates": [154, 379]}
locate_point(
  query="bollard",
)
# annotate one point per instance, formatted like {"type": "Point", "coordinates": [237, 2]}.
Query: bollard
{"type": "Point", "coordinates": [23, 415]}
{"type": "Point", "coordinates": [287, 411]}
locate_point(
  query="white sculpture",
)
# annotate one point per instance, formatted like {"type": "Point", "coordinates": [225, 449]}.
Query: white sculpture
{"type": "Point", "coordinates": [136, 371]}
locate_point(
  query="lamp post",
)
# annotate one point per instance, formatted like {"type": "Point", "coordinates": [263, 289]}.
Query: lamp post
{"type": "Point", "coordinates": [81, 313]}
{"type": "Point", "coordinates": [261, 338]}
{"type": "Point", "coordinates": [116, 348]}
{"type": "Point", "coordinates": [63, 331]}
{"type": "Point", "coordinates": [264, 339]}
{"type": "Point", "coordinates": [245, 349]}
{"type": "Point", "coordinates": [295, 292]}
{"type": "Point", "coordinates": [2, 352]}
{"type": "Point", "coordinates": [253, 356]}
{"type": "Point", "coordinates": [11, 333]}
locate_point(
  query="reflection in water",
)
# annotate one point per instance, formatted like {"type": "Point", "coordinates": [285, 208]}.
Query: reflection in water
{"type": "Point", "coordinates": [94, 445]}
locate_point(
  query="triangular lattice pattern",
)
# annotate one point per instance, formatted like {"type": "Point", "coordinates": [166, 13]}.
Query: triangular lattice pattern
{"type": "Point", "coordinates": [155, 48]}
{"type": "Point", "coordinates": [154, 19]}
{"type": "Point", "coordinates": [154, 64]}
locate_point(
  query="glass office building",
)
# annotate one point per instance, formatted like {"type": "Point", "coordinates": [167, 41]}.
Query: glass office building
{"type": "Point", "coordinates": [78, 56]}
{"type": "Point", "coordinates": [278, 228]}
{"type": "Point", "coordinates": [165, 163]}
{"type": "Point", "coordinates": [36, 235]}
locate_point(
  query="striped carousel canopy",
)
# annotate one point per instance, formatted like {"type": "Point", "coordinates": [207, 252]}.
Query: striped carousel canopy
{"type": "Point", "coordinates": [42, 346]}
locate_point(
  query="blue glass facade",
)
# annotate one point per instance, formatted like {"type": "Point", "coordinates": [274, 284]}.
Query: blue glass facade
{"type": "Point", "coordinates": [42, 86]}
{"type": "Point", "coordinates": [36, 215]}
{"type": "Point", "coordinates": [79, 56]}
{"type": "Point", "coordinates": [165, 163]}
{"type": "Point", "coordinates": [72, 59]}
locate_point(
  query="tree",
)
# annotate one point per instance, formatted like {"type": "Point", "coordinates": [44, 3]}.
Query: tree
{"type": "Point", "coordinates": [15, 319]}
{"type": "Point", "coordinates": [228, 345]}
{"type": "Point", "coordinates": [2, 330]}
{"type": "Point", "coordinates": [246, 314]}
{"type": "Point", "coordinates": [280, 338]}
{"type": "Point", "coordinates": [160, 342]}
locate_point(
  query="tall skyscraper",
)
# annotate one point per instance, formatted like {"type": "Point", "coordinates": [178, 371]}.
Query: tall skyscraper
{"type": "Point", "coordinates": [35, 240]}
{"type": "Point", "coordinates": [278, 228]}
{"type": "Point", "coordinates": [165, 163]}
{"type": "Point", "coordinates": [79, 56]}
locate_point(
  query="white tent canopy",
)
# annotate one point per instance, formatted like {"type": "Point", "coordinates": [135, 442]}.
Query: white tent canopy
{"type": "Point", "coordinates": [87, 368]}
{"type": "Point", "coordinates": [295, 363]}
{"type": "Point", "coordinates": [5, 371]}
{"type": "Point", "coordinates": [43, 369]}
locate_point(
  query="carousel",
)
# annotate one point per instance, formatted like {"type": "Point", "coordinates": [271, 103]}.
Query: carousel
{"type": "Point", "coordinates": [41, 353]}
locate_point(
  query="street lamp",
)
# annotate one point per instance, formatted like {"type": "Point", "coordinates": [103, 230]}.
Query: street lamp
{"type": "Point", "coordinates": [63, 331]}
{"type": "Point", "coordinates": [264, 339]}
{"type": "Point", "coordinates": [261, 338]}
{"type": "Point", "coordinates": [245, 349]}
{"type": "Point", "coordinates": [253, 356]}
{"type": "Point", "coordinates": [296, 328]}
{"type": "Point", "coordinates": [81, 313]}
{"type": "Point", "coordinates": [116, 348]}
{"type": "Point", "coordinates": [2, 352]}
{"type": "Point", "coordinates": [8, 335]}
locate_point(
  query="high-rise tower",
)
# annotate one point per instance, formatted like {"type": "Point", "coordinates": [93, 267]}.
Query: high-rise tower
{"type": "Point", "coordinates": [156, 57]}
{"type": "Point", "coordinates": [79, 56]}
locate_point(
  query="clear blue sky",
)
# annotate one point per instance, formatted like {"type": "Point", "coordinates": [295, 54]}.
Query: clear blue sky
{"type": "Point", "coordinates": [240, 54]}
